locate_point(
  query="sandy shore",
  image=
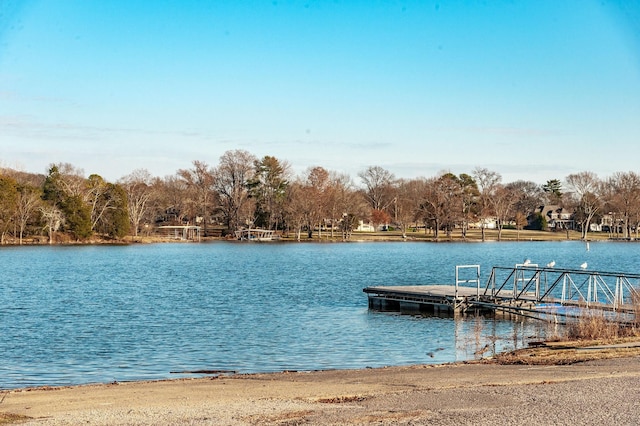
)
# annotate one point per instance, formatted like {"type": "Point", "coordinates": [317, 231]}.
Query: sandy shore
{"type": "Point", "coordinates": [595, 392]}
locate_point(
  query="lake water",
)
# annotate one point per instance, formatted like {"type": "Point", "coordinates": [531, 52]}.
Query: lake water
{"type": "Point", "coordinates": [84, 314]}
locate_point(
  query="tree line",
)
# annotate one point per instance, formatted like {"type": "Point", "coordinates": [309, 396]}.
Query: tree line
{"type": "Point", "coordinates": [245, 191]}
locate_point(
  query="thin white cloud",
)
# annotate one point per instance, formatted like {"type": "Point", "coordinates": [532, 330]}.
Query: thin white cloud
{"type": "Point", "coordinates": [510, 131]}
{"type": "Point", "coordinates": [24, 126]}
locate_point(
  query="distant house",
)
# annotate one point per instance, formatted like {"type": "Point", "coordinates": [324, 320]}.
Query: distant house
{"type": "Point", "coordinates": [558, 218]}
{"type": "Point", "coordinates": [365, 227]}
{"type": "Point", "coordinates": [612, 222]}
{"type": "Point", "coordinates": [486, 223]}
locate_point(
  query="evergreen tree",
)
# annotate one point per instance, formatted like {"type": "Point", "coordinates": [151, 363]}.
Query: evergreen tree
{"type": "Point", "coordinates": [539, 223]}
{"type": "Point", "coordinates": [118, 217]}
{"type": "Point", "coordinates": [553, 190]}
{"type": "Point", "coordinates": [268, 187]}
{"type": "Point", "coordinates": [51, 189]}
{"type": "Point", "coordinates": [78, 216]}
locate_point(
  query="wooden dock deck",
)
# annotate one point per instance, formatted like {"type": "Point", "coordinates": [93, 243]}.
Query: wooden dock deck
{"type": "Point", "coordinates": [523, 290]}
{"type": "Point", "coordinates": [435, 298]}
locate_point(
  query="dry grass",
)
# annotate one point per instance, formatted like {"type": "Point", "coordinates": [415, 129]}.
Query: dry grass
{"type": "Point", "coordinates": [593, 335]}
{"type": "Point", "coordinates": [342, 399]}
{"type": "Point", "coordinates": [8, 418]}
{"type": "Point", "coordinates": [595, 326]}
{"type": "Point", "coordinates": [287, 418]}
{"type": "Point", "coordinates": [598, 325]}
{"type": "Point", "coordinates": [563, 353]}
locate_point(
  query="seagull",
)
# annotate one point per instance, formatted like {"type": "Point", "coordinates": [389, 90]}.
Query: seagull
{"type": "Point", "coordinates": [433, 353]}
{"type": "Point", "coordinates": [551, 264]}
{"type": "Point", "coordinates": [584, 265]}
{"type": "Point", "coordinates": [526, 262]}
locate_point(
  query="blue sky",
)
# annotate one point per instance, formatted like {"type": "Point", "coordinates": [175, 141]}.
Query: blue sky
{"type": "Point", "coordinates": [534, 90]}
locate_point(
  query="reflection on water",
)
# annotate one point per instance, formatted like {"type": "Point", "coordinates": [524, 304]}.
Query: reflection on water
{"type": "Point", "coordinates": [482, 336]}
{"type": "Point", "coordinates": [71, 315]}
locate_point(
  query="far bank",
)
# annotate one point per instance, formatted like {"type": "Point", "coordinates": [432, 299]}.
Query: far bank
{"type": "Point", "coordinates": [473, 235]}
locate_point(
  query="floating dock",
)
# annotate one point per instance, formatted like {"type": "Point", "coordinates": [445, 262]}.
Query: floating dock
{"type": "Point", "coordinates": [441, 299]}
{"type": "Point", "coordinates": [436, 299]}
{"type": "Point", "coordinates": [525, 290]}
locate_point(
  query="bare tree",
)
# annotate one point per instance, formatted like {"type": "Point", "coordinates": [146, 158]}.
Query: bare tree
{"type": "Point", "coordinates": [53, 218]}
{"type": "Point", "coordinates": [97, 195]}
{"type": "Point", "coordinates": [8, 204]}
{"type": "Point", "coordinates": [408, 201]}
{"type": "Point", "coordinates": [625, 198]}
{"type": "Point", "coordinates": [341, 187]}
{"type": "Point", "coordinates": [502, 204]}
{"type": "Point", "coordinates": [171, 201]}
{"type": "Point", "coordinates": [587, 189]}
{"type": "Point", "coordinates": [528, 196]}
{"type": "Point", "coordinates": [137, 186]}
{"type": "Point", "coordinates": [23, 178]}
{"type": "Point", "coordinates": [442, 203]}
{"type": "Point", "coordinates": [296, 205]}
{"type": "Point", "coordinates": [378, 184]}
{"type": "Point", "coordinates": [318, 188]}
{"type": "Point", "coordinates": [346, 206]}
{"type": "Point", "coordinates": [29, 193]}
{"type": "Point", "coordinates": [200, 179]}
{"type": "Point", "coordinates": [450, 186]}
{"type": "Point", "coordinates": [469, 194]}
{"type": "Point", "coordinates": [487, 182]}
{"type": "Point", "coordinates": [65, 179]}
{"type": "Point", "coordinates": [28, 202]}
{"type": "Point", "coordinates": [231, 179]}
{"type": "Point", "coordinates": [313, 198]}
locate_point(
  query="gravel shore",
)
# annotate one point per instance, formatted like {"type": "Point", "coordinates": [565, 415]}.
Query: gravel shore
{"type": "Point", "coordinates": [603, 392]}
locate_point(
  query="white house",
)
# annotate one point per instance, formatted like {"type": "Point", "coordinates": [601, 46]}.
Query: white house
{"type": "Point", "coordinates": [365, 227]}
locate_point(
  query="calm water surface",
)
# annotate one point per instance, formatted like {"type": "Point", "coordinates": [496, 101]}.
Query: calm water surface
{"type": "Point", "coordinates": [73, 315]}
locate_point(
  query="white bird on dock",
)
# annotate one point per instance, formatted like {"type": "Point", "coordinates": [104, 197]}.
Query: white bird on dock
{"type": "Point", "coordinates": [551, 264]}
{"type": "Point", "coordinates": [584, 265]}
{"type": "Point", "coordinates": [526, 262]}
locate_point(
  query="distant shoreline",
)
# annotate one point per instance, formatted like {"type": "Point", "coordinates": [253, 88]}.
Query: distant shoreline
{"type": "Point", "coordinates": [508, 235]}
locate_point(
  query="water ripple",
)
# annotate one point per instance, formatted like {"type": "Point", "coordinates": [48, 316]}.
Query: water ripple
{"type": "Point", "coordinates": [72, 315]}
